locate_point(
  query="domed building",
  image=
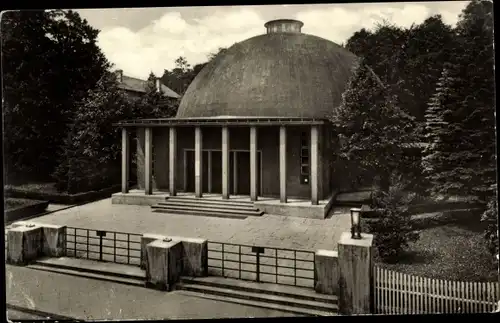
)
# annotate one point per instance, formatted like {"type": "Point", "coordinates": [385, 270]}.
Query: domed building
{"type": "Point", "coordinates": [251, 128]}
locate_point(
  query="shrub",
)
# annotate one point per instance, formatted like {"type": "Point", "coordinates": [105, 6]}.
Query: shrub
{"type": "Point", "coordinates": [490, 218]}
{"type": "Point", "coordinates": [393, 230]}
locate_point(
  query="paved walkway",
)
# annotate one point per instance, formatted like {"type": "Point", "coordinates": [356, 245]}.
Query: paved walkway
{"type": "Point", "coordinates": [88, 299]}
{"type": "Point", "coordinates": [267, 230]}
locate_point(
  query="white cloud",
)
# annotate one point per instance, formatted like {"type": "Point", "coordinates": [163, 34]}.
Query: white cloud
{"type": "Point", "coordinates": [156, 46]}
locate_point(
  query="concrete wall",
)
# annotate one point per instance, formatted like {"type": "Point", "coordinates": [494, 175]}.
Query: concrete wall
{"type": "Point", "coordinates": [267, 143]}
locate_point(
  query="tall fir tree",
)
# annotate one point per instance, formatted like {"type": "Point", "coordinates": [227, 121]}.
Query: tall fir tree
{"type": "Point", "coordinates": [461, 158]}
{"type": "Point", "coordinates": [372, 127]}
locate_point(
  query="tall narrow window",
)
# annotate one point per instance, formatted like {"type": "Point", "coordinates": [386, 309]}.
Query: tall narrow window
{"type": "Point", "coordinates": [304, 158]}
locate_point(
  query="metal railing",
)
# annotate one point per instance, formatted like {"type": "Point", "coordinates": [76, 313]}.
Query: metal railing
{"type": "Point", "coordinates": [110, 246]}
{"type": "Point", "coordinates": [293, 267]}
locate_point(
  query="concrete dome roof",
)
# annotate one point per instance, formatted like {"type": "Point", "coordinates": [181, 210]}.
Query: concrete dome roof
{"type": "Point", "coordinates": [283, 73]}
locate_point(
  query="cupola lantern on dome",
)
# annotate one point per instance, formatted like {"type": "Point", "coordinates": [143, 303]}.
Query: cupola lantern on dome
{"type": "Point", "coordinates": [284, 26]}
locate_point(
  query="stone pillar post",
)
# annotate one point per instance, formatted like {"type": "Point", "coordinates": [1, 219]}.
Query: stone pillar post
{"type": "Point", "coordinates": [172, 160]}
{"type": "Point", "coordinates": [54, 240]}
{"type": "Point", "coordinates": [282, 157]}
{"type": "Point", "coordinates": [148, 163]}
{"type": "Point", "coordinates": [163, 264]}
{"type": "Point", "coordinates": [125, 160]}
{"type": "Point", "coordinates": [197, 161]}
{"type": "Point", "coordinates": [355, 259]}
{"type": "Point", "coordinates": [225, 162]}
{"type": "Point", "coordinates": [314, 165]}
{"type": "Point", "coordinates": [326, 268]}
{"type": "Point", "coordinates": [253, 163]}
{"type": "Point", "coordinates": [24, 244]}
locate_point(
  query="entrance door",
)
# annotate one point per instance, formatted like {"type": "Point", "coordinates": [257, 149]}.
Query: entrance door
{"type": "Point", "coordinates": [216, 169]}
{"type": "Point", "coordinates": [189, 164]}
{"type": "Point", "coordinates": [241, 171]}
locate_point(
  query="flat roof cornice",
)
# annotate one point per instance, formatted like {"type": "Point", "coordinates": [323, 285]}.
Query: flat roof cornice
{"type": "Point", "coordinates": [221, 121]}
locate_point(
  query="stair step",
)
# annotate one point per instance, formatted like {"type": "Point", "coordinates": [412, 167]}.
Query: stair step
{"type": "Point", "coordinates": [209, 209]}
{"type": "Point", "coordinates": [267, 305]}
{"type": "Point", "coordinates": [101, 271]}
{"type": "Point", "coordinates": [268, 288]}
{"type": "Point", "coordinates": [267, 298]}
{"type": "Point", "coordinates": [210, 201]}
{"type": "Point", "coordinates": [221, 206]}
{"type": "Point", "coordinates": [78, 273]}
{"type": "Point", "coordinates": [200, 213]}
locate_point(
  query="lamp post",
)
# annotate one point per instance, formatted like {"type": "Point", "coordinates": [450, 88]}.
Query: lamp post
{"type": "Point", "coordinates": [355, 223]}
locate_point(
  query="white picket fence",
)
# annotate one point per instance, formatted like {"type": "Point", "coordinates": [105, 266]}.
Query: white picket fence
{"type": "Point", "coordinates": [398, 293]}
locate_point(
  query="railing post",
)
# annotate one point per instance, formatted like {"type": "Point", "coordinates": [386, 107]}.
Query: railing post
{"type": "Point", "coordinates": [128, 249]}
{"type": "Point", "coordinates": [295, 267]}
{"type": "Point", "coordinates": [223, 260]}
{"type": "Point", "coordinates": [239, 261]}
{"type": "Point", "coordinates": [276, 263]}
{"type": "Point", "coordinates": [257, 272]}
{"type": "Point", "coordinates": [100, 248]}
{"type": "Point", "coordinates": [87, 243]}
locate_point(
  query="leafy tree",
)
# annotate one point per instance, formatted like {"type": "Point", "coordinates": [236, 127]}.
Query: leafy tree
{"type": "Point", "coordinates": [460, 123]}
{"type": "Point", "coordinates": [183, 74]}
{"type": "Point", "coordinates": [393, 228]}
{"type": "Point", "coordinates": [409, 60]}
{"type": "Point", "coordinates": [50, 59]}
{"type": "Point", "coordinates": [154, 104]}
{"type": "Point", "coordinates": [92, 148]}
{"type": "Point", "coordinates": [373, 129]}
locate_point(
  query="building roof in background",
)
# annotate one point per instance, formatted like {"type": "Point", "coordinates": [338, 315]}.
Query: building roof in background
{"type": "Point", "coordinates": [137, 85]}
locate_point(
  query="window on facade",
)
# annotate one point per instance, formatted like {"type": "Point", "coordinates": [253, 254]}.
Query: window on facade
{"type": "Point", "coordinates": [304, 158]}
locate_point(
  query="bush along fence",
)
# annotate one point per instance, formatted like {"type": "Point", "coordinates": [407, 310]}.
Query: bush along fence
{"type": "Point", "coordinates": [399, 293]}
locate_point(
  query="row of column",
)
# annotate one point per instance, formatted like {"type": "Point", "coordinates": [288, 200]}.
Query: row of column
{"type": "Point", "coordinates": [225, 162]}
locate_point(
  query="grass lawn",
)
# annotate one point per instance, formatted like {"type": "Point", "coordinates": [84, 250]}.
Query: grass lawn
{"type": "Point", "coordinates": [13, 203]}
{"type": "Point", "coordinates": [49, 188]}
{"type": "Point", "coordinates": [452, 251]}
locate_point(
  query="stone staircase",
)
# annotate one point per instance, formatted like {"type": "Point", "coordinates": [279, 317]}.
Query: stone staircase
{"type": "Point", "coordinates": [208, 207]}
{"type": "Point", "coordinates": [111, 272]}
{"type": "Point", "coordinates": [296, 300]}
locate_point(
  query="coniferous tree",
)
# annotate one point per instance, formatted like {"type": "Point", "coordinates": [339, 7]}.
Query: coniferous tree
{"type": "Point", "coordinates": [373, 129]}
{"type": "Point", "coordinates": [461, 157]}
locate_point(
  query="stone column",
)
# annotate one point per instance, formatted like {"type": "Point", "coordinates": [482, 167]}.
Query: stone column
{"type": "Point", "coordinates": [54, 240]}
{"type": "Point", "coordinates": [355, 259]}
{"type": "Point", "coordinates": [235, 173]}
{"type": "Point", "coordinates": [225, 162]}
{"type": "Point", "coordinates": [282, 157]}
{"type": "Point", "coordinates": [172, 160]}
{"type": "Point", "coordinates": [24, 244]}
{"type": "Point", "coordinates": [314, 165]}
{"type": "Point", "coordinates": [253, 163]}
{"type": "Point", "coordinates": [148, 162]}
{"type": "Point", "coordinates": [163, 264]}
{"type": "Point", "coordinates": [125, 160]}
{"type": "Point", "coordinates": [326, 272]}
{"type": "Point", "coordinates": [197, 162]}
{"type": "Point", "coordinates": [209, 174]}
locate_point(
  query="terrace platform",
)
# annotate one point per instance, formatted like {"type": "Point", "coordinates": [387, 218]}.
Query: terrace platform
{"type": "Point", "coordinates": [294, 207]}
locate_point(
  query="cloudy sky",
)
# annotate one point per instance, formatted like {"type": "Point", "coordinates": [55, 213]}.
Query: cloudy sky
{"type": "Point", "coordinates": [150, 39]}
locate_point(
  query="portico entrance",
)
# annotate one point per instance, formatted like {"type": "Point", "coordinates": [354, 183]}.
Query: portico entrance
{"type": "Point", "coordinates": [239, 174]}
